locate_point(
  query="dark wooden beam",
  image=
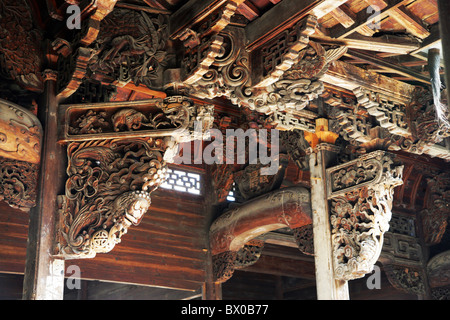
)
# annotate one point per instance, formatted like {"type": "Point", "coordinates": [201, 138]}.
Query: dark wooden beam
{"type": "Point", "coordinates": [284, 15]}
{"type": "Point", "coordinates": [283, 267]}
{"type": "Point", "coordinates": [388, 65]}
{"type": "Point", "coordinates": [411, 23]}
{"type": "Point", "coordinates": [444, 12]}
{"type": "Point", "coordinates": [190, 13]}
{"type": "Point", "coordinates": [44, 275]}
{"type": "Point", "coordinates": [364, 17]}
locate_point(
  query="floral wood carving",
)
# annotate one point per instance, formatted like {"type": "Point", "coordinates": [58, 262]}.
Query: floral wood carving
{"type": "Point", "coordinates": [18, 183]}
{"type": "Point", "coordinates": [361, 194]}
{"type": "Point", "coordinates": [225, 263]}
{"type": "Point", "coordinates": [108, 189]}
{"type": "Point", "coordinates": [130, 47]}
{"type": "Point", "coordinates": [435, 215]}
{"type": "Point", "coordinates": [20, 45]}
{"type": "Point", "coordinates": [20, 150]}
{"type": "Point", "coordinates": [173, 116]}
{"type": "Point", "coordinates": [74, 55]}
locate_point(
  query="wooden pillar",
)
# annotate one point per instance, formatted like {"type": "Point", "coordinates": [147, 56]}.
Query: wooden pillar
{"type": "Point", "coordinates": [211, 289]}
{"type": "Point", "coordinates": [327, 287]}
{"type": "Point", "coordinates": [444, 26]}
{"type": "Point", "coordinates": [44, 275]}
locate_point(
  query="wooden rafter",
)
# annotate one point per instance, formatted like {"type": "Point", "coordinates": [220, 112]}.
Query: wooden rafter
{"type": "Point", "coordinates": [365, 17]}
{"type": "Point", "coordinates": [389, 66]}
{"type": "Point", "coordinates": [284, 15]}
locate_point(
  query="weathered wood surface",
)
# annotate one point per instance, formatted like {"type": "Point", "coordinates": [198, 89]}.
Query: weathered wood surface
{"type": "Point", "coordinates": [166, 249]}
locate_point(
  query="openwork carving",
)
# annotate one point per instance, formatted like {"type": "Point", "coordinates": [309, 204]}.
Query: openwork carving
{"type": "Point", "coordinates": [423, 119]}
{"type": "Point", "coordinates": [406, 278]}
{"type": "Point", "coordinates": [402, 256]}
{"type": "Point", "coordinates": [361, 194]}
{"type": "Point", "coordinates": [251, 183]}
{"type": "Point", "coordinates": [225, 263]}
{"type": "Point", "coordinates": [20, 45]}
{"type": "Point", "coordinates": [18, 183]}
{"type": "Point", "coordinates": [20, 150]}
{"type": "Point", "coordinates": [218, 65]}
{"type": "Point", "coordinates": [131, 47]}
{"type": "Point", "coordinates": [435, 216]}
{"type": "Point", "coordinates": [172, 116]}
{"type": "Point", "coordinates": [305, 239]}
{"type": "Point", "coordinates": [121, 45]}
{"type": "Point", "coordinates": [108, 190]}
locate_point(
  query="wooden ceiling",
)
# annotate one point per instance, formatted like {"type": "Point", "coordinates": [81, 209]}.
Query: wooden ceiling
{"type": "Point", "coordinates": [397, 48]}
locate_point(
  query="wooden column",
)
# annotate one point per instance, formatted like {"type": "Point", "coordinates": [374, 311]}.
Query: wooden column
{"type": "Point", "coordinates": [211, 289]}
{"type": "Point", "coordinates": [44, 275]}
{"type": "Point", "coordinates": [444, 26]}
{"type": "Point", "coordinates": [327, 287]}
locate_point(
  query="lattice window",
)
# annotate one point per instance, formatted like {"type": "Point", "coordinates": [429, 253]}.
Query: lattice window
{"type": "Point", "coordinates": [182, 181]}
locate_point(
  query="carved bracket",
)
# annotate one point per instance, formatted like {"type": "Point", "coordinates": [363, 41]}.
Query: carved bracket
{"type": "Point", "coordinates": [108, 190]}
{"type": "Point", "coordinates": [361, 194]}
{"type": "Point", "coordinates": [20, 154]}
{"type": "Point", "coordinates": [117, 156]}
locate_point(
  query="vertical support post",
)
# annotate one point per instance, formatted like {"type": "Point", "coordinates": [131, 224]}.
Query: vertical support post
{"type": "Point", "coordinates": [211, 289]}
{"type": "Point", "coordinates": [44, 275]}
{"type": "Point", "coordinates": [327, 287]}
{"type": "Point", "coordinates": [444, 26]}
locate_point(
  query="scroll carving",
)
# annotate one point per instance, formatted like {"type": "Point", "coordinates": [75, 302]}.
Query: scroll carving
{"type": "Point", "coordinates": [218, 65]}
{"type": "Point", "coordinates": [117, 156]}
{"type": "Point", "coordinates": [111, 46]}
{"type": "Point", "coordinates": [435, 215]}
{"type": "Point", "coordinates": [18, 183]}
{"type": "Point", "coordinates": [20, 45]}
{"type": "Point", "coordinates": [402, 256]}
{"type": "Point", "coordinates": [224, 264]}
{"type": "Point", "coordinates": [361, 194]}
{"type": "Point", "coordinates": [20, 152]}
{"type": "Point", "coordinates": [108, 189]}
{"type": "Point", "coordinates": [173, 116]}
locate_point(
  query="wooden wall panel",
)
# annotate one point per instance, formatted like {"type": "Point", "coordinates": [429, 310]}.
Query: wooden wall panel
{"type": "Point", "coordinates": [167, 249]}
{"type": "Point", "coordinates": [13, 239]}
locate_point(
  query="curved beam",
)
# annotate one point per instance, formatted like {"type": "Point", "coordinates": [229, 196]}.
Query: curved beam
{"type": "Point", "coordinates": [232, 234]}
{"type": "Point", "coordinates": [287, 207]}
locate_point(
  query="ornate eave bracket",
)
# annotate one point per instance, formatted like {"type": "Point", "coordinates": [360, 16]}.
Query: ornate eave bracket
{"type": "Point", "coordinates": [411, 121]}
{"type": "Point", "coordinates": [20, 154]}
{"type": "Point", "coordinates": [361, 194]}
{"type": "Point", "coordinates": [117, 156]}
{"type": "Point", "coordinates": [280, 78]}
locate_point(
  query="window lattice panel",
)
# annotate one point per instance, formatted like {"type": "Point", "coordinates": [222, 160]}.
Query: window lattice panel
{"type": "Point", "coordinates": [182, 181]}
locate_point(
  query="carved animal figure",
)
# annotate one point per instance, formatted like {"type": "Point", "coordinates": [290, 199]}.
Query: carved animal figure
{"type": "Point", "coordinates": [130, 118]}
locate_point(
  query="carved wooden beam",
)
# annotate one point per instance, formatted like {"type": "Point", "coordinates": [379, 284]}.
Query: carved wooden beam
{"type": "Point", "coordinates": [169, 117]}
{"type": "Point", "coordinates": [437, 211]}
{"type": "Point", "coordinates": [20, 45]}
{"type": "Point", "coordinates": [403, 257]}
{"type": "Point", "coordinates": [360, 194]}
{"type": "Point", "coordinates": [213, 14]}
{"type": "Point", "coordinates": [365, 17]}
{"type": "Point", "coordinates": [288, 207]}
{"type": "Point", "coordinates": [284, 15]}
{"type": "Point", "coordinates": [20, 154]}
{"type": "Point", "coordinates": [117, 156]}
